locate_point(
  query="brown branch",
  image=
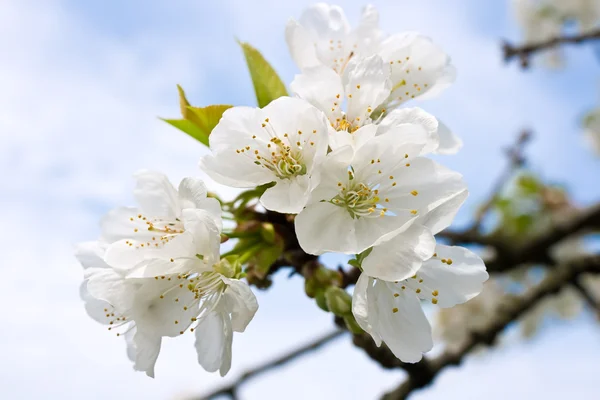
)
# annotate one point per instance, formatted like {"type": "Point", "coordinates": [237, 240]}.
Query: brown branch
{"type": "Point", "coordinates": [523, 53]}
{"type": "Point", "coordinates": [589, 297]}
{"type": "Point", "coordinates": [231, 389]}
{"type": "Point", "coordinates": [510, 309]}
{"type": "Point", "coordinates": [510, 255]}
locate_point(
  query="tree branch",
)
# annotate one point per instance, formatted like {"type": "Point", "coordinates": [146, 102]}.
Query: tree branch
{"type": "Point", "coordinates": [526, 51]}
{"type": "Point", "coordinates": [232, 388]}
{"type": "Point", "coordinates": [585, 293]}
{"type": "Point", "coordinates": [510, 255]}
{"type": "Point", "coordinates": [516, 159]}
{"type": "Point", "coordinates": [510, 309]}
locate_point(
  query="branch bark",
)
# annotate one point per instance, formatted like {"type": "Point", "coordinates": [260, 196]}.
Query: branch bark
{"type": "Point", "coordinates": [510, 255]}
{"type": "Point", "coordinates": [511, 309]}
{"type": "Point", "coordinates": [231, 389]}
{"type": "Point", "coordinates": [525, 52]}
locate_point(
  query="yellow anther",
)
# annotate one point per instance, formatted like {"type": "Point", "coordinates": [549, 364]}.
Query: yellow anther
{"type": "Point", "coordinates": [434, 301]}
{"type": "Point", "coordinates": [413, 212]}
{"type": "Point", "coordinates": [434, 293]}
{"type": "Point", "coordinates": [449, 261]}
{"type": "Point", "coordinates": [418, 290]}
{"type": "Point", "coordinates": [396, 295]}
{"type": "Point", "coordinates": [394, 310]}
{"type": "Point", "coordinates": [358, 86]}
{"type": "Point", "coordinates": [414, 193]}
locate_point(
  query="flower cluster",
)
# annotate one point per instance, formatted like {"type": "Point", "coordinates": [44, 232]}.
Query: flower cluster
{"type": "Point", "coordinates": [156, 271]}
{"type": "Point", "coordinates": [344, 159]}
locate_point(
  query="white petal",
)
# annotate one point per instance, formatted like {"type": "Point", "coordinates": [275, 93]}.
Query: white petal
{"type": "Point", "coordinates": [367, 35]}
{"type": "Point", "coordinates": [123, 256]}
{"type": "Point", "coordinates": [157, 267]}
{"type": "Point", "coordinates": [240, 302]}
{"type": "Point", "coordinates": [303, 123]}
{"type": "Point", "coordinates": [322, 87]}
{"type": "Point", "coordinates": [325, 19]}
{"type": "Point", "coordinates": [206, 236]}
{"type": "Point", "coordinates": [418, 66]}
{"type": "Point", "coordinates": [213, 342]}
{"type": "Point", "coordinates": [367, 85]}
{"type": "Point", "coordinates": [91, 254]}
{"type": "Point", "coordinates": [355, 139]}
{"type": "Point", "coordinates": [422, 186]}
{"type": "Point", "coordinates": [159, 306]}
{"type": "Point", "coordinates": [400, 257]}
{"type": "Point", "coordinates": [323, 227]}
{"type": "Point", "coordinates": [441, 215]}
{"type": "Point", "coordinates": [300, 42]}
{"type": "Point", "coordinates": [193, 194]}
{"type": "Point", "coordinates": [449, 142]}
{"type": "Point", "coordinates": [363, 307]}
{"type": "Point", "coordinates": [458, 282]}
{"type": "Point", "coordinates": [333, 169]}
{"type": "Point", "coordinates": [147, 348]}
{"type": "Point", "coordinates": [408, 125]}
{"type": "Point", "coordinates": [94, 307]}
{"type": "Point", "coordinates": [156, 195]}
{"type": "Point", "coordinates": [110, 286]}
{"type": "Point", "coordinates": [406, 332]}
{"type": "Point", "coordinates": [390, 151]}
{"type": "Point", "coordinates": [123, 223]}
{"type": "Point", "coordinates": [288, 196]}
{"type": "Point", "coordinates": [228, 164]}
{"type": "Point", "coordinates": [226, 362]}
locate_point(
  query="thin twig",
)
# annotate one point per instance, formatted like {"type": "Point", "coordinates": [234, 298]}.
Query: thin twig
{"type": "Point", "coordinates": [585, 293]}
{"type": "Point", "coordinates": [232, 388]}
{"type": "Point", "coordinates": [510, 309]}
{"type": "Point", "coordinates": [526, 51]}
{"type": "Point", "coordinates": [516, 159]}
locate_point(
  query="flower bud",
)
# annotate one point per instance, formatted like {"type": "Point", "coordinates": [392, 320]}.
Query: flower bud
{"type": "Point", "coordinates": [338, 301]}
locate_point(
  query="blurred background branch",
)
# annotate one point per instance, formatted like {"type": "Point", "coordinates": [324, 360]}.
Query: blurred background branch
{"type": "Point", "coordinates": [524, 52]}
{"type": "Point", "coordinates": [231, 389]}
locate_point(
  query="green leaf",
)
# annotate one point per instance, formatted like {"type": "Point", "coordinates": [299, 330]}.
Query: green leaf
{"type": "Point", "coordinates": [198, 122]}
{"type": "Point", "coordinates": [267, 84]}
{"type": "Point", "coordinates": [206, 118]}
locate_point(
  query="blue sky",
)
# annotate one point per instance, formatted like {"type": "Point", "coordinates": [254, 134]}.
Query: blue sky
{"type": "Point", "coordinates": [81, 86]}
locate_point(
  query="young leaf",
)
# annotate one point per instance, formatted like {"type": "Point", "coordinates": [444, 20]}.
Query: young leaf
{"type": "Point", "coordinates": [198, 122]}
{"type": "Point", "coordinates": [267, 84]}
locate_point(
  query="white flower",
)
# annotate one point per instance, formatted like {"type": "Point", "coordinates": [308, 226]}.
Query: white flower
{"type": "Point", "coordinates": [138, 233]}
{"type": "Point", "coordinates": [283, 143]}
{"type": "Point", "coordinates": [363, 87]}
{"type": "Point", "coordinates": [391, 311]}
{"type": "Point", "coordinates": [166, 297]}
{"type": "Point", "coordinates": [366, 197]}
{"type": "Point", "coordinates": [322, 37]}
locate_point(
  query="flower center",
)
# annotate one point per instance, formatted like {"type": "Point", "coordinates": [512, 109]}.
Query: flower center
{"type": "Point", "coordinates": [282, 156]}
{"type": "Point", "coordinates": [359, 199]}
